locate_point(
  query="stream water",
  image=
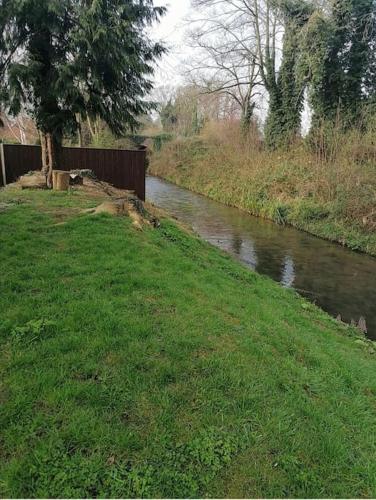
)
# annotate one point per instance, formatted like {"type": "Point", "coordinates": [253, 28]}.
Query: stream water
{"type": "Point", "coordinates": [337, 279]}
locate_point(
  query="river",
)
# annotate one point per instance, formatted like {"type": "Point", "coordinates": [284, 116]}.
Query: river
{"type": "Point", "coordinates": [340, 281]}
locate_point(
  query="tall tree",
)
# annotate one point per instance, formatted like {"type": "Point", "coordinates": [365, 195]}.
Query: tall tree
{"type": "Point", "coordinates": [185, 113]}
{"type": "Point", "coordinates": [267, 34]}
{"type": "Point", "coordinates": [226, 61]}
{"type": "Point", "coordinates": [344, 34]}
{"type": "Point", "coordinates": [370, 78]}
{"type": "Point", "coordinates": [286, 87]}
{"type": "Point", "coordinates": [168, 116]}
{"type": "Point", "coordinates": [86, 58]}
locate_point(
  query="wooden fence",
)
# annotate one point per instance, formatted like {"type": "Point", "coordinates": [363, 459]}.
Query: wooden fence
{"type": "Point", "coordinates": [122, 168]}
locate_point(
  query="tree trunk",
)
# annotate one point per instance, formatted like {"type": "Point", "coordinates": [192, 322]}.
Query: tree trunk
{"type": "Point", "coordinates": [51, 160]}
{"type": "Point", "coordinates": [94, 129]}
{"type": "Point", "coordinates": [53, 153]}
{"type": "Point", "coordinates": [80, 139]}
{"type": "Point", "coordinates": [79, 130]}
{"type": "Point", "coordinates": [90, 128]}
{"type": "Point", "coordinates": [247, 115]}
{"type": "Point", "coordinates": [275, 121]}
{"type": "Point", "coordinates": [45, 161]}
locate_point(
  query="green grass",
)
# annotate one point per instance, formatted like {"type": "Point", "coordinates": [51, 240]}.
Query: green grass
{"type": "Point", "coordinates": [143, 364]}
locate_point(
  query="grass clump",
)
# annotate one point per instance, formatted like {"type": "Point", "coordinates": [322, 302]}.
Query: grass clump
{"type": "Point", "coordinates": [149, 364]}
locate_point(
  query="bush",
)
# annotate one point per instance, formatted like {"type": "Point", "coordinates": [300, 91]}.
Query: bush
{"type": "Point", "coordinates": [160, 140]}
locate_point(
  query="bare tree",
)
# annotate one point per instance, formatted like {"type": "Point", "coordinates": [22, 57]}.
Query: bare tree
{"type": "Point", "coordinates": [21, 128]}
{"type": "Point", "coordinates": [237, 43]}
{"type": "Point", "coordinates": [225, 63]}
{"type": "Point", "coordinates": [254, 44]}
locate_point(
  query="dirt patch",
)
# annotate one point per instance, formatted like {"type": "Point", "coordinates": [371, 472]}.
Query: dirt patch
{"type": "Point", "coordinates": [120, 203]}
{"type": "Point", "coordinates": [120, 207]}
{"type": "Point", "coordinates": [6, 205]}
{"type": "Point", "coordinates": [96, 188]}
{"type": "Point", "coordinates": [111, 200]}
{"type": "Point", "coordinates": [127, 205]}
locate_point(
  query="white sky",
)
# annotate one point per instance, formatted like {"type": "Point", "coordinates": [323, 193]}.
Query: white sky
{"type": "Point", "coordinates": [171, 31]}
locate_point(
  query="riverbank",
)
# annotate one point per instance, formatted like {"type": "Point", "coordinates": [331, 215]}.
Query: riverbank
{"type": "Point", "coordinates": [335, 201]}
{"type": "Point", "coordinates": [150, 364]}
{"type": "Point", "coordinates": [338, 280]}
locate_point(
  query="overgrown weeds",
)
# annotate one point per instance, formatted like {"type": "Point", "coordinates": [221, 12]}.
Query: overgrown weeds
{"type": "Point", "coordinates": [325, 184]}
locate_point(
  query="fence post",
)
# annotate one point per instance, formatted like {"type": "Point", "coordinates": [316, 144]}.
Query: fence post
{"type": "Point", "coordinates": [2, 161]}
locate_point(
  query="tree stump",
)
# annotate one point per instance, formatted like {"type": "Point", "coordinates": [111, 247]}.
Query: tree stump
{"type": "Point", "coordinates": [34, 181]}
{"type": "Point", "coordinates": [54, 178]}
{"type": "Point", "coordinates": [62, 181]}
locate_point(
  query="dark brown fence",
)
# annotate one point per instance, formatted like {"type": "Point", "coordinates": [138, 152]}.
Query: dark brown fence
{"type": "Point", "coordinates": [122, 168]}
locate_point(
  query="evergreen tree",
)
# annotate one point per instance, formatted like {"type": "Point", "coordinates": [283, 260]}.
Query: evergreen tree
{"type": "Point", "coordinates": [169, 117]}
{"type": "Point", "coordinates": [346, 42]}
{"type": "Point", "coordinates": [87, 58]}
{"type": "Point", "coordinates": [370, 78]}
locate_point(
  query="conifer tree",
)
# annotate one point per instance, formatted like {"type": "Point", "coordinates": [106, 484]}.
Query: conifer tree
{"type": "Point", "coordinates": [69, 58]}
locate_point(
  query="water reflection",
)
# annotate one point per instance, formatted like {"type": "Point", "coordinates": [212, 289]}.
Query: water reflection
{"type": "Point", "coordinates": [340, 281]}
{"type": "Point", "coordinates": [288, 273]}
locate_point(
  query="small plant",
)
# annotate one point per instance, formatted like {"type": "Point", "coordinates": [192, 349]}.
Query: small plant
{"type": "Point", "coordinates": [278, 213]}
{"type": "Point", "coordinates": [32, 331]}
{"type": "Point", "coordinates": [133, 481]}
{"type": "Point", "coordinates": [189, 467]}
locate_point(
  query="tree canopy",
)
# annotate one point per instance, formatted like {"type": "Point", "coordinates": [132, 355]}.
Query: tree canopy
{"type": "Point", "coordinates": [344, 41]}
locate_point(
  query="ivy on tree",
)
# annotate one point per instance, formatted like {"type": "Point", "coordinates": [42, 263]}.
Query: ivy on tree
{"type": "Point", "coordinates": [286, 88]}
{"type": "Point", "coordinates": [339, 50]}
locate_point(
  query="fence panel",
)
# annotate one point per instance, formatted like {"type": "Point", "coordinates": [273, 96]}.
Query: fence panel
{"type": "Point", "coordinates": [21, 159]}
{"type": "Point", "coordinates": [125, 169]}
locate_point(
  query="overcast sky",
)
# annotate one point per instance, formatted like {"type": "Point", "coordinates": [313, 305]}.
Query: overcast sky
{"type": "Point", "coordinates": [171, 32]}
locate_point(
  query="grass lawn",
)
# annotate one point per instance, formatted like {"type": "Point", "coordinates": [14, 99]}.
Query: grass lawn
{"type": "Point", "coordinates": [151, 364]}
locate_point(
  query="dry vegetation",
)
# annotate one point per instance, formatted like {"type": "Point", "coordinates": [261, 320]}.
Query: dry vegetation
{"type": "Point", "coordinates": [327, 188]}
